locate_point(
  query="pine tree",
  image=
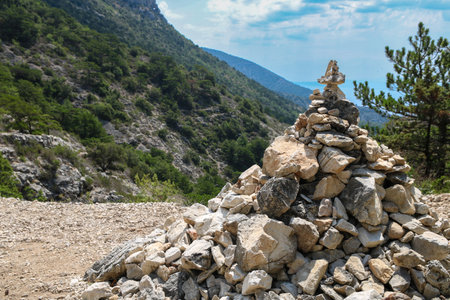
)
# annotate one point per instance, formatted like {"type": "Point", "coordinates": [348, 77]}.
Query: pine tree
{"type": "Point", "coordinates": [422, 111]}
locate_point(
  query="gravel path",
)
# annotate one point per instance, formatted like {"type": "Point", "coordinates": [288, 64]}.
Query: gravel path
{"type": "Point", "coordinates": [45, 248]}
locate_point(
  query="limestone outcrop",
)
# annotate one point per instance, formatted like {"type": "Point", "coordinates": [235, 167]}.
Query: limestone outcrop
{"type": "Point", "coordinates": [330, 215]}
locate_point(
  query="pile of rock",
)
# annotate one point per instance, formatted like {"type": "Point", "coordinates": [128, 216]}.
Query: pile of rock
{"type": "Point", "coordinates": [331, 215]}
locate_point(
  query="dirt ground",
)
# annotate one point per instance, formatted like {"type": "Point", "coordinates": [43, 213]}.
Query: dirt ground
{"type": "Point", "coordinates": [45, 248]}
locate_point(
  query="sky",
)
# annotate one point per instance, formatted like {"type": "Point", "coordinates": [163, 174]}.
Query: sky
{"type": "Point", "coordinates": [297, 38]}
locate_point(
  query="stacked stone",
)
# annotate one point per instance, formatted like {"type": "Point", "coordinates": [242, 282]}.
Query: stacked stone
{"type": "Point", "coordinates": [331, 215]}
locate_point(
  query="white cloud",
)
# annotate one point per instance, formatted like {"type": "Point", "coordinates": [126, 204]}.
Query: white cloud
{"type": "Point", "coordinates": [170, 15]}
{"type": "Point", "coordinates": [291, 35]}
{"type": "Point", "coordinates": [248, 11]}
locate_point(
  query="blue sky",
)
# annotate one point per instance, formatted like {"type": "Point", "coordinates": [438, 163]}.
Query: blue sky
{"type": "Point", "coordinates": [297, 38]}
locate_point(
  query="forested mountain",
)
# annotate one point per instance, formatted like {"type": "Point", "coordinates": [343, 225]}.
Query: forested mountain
{"type": "Point", "coordinates": [289, 90]}
{"type": "Point", "coordinates": [140, 23]}
{"type": "Point", "coordinates": [127, 110]}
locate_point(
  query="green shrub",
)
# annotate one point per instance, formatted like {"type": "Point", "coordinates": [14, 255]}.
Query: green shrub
{"type": "Point", "coordinates": [67, 154]}
{"type": "Point", "coordinates": [17, 24]}
{"type": "Point", "coordinates": [162, 133]}
{"type": "Point", "coordinates": [8, 183]}
{"type": "Point", "coordinates": [154, 190]}
{"type": "Point", "coordinates": [144, 106]}
{"type": "Point", "coordinates": [435, 186]}
{"type": "Point", "coordinates": [103, 111]}
{"type": "Point", "coordinates": [108, 155]}
{"type": "Point", "coordinates": [191, 157]}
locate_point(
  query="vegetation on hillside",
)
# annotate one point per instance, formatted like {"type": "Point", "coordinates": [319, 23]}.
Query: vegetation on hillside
{"type": "Point", "coordinates": [8, 184]}
{"type": "Point", "coordinates": [420, 117]}
{"type": "Point", "coordinates": [98, 72]}
{"type": "Point", "coordinates": [142, 25]}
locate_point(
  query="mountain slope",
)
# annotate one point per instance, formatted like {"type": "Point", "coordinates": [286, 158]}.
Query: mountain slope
{"type": "Point", "coordinates": [130, 112]}
{"type": "Point", "coordinates": [267, 78]}
{"type": "Point", "coordinates": [139, 23]}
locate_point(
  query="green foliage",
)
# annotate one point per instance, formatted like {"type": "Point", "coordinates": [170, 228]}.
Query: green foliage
{"type": "Point", "coordinates": [16, 23]}
{"type": "Point", "coordinates": [108, 156]}
{"type": "Point", "coordinates": [154, 190]}
{"type": "Point", "coordinates": [133, 25]}
{"type": "Point", "coordinates": [144, 106]}
{"type": "Point", "coordinates": [81, 122]}
{"type": "Point", "coordinates": [435, 186]}
{"type": "Point", "coordinates": [109, 72]}
{"type": "Point", "coordinates": [420, 115]}
{"type": "Point", "coordinates": [8, 183]}
{"type": "Point", "coordinates": [162, 134]}
{"type": "Point", "coordinates": [67, 154]}
{"type": "Point", "coordinates": [191, 157]}
{"type": "Point", "coordinates": [241, 154]}
{"type": "Point", "coordinates": [207, 187]}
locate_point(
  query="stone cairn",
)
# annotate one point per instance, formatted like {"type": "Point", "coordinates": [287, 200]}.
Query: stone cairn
{"type": "Point", "coordinates": [330, 215]}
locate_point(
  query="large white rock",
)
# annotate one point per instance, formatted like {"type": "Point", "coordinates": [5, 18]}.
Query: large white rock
{"type": "Point", "coordinates": [364, 172]}
{"type": "Point", "coordinates": [409, 222]}
{"type": "Point", "coordinates": [194, 211]}
{"type": "Point", "coordinates": [333, 160]}
{"type": "Point", "coordinates": [232, 200]}
{"type": "Point", "coordinates": [355, 266]}
{"type": "Point", "coordinates": [209, 224]}
{"type": "Point", "coordinates": [328, 187]}
{"type": "Point", "coordinates": [331, 239]}
{"type": "Point", "coordinates": [398, 195]}
{"type": "Point", "coordinates": [176, 233]}
{"type": "Point", "coordinates": [97, 291]}
{"type": "Point", "coordinates": [286, 156]}
{"type": "Point", "coordinates": [306, 232]}
{"type": "Point", "coordinates": [371, 150]}
{"type": "Point", "coordinates": [197, 256]}
{"type": "Point", "coordinates": [310, 275]}
{"type": "Point", "coordinates": [365, 295]}
{"type": "Point", "coordinates": [264, 243]}
{"type": "Point", "coordinates": [335, 139]}
{"type": "Point", "coordinates": [256, 280]}
{"type": "Point", "coordinates": [234, 274]}
{"type": "Point", "coordinates": [360, 198]}
{"type": "Point", "coordinates": [370, 239]}
{"type": "Point", "coordinates": [431, 245]}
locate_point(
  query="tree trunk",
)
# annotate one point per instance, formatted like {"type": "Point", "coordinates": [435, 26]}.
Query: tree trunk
{"type": "Point", "coordinates": [443, 145]}
{"type": "Point", "coordinates": [427, 147]}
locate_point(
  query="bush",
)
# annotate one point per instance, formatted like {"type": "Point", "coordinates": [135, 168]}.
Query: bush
{"type": "Point", "coordinates": [144, 106]}
{"type": "Point", "coordinates": [108, 155]}
{"type": "Point", "coordinates": [8, 183]}
{"type": "Point", "coordinates": [17, 24]}
{"type": "Point", "coordinates": [435, 186]}
{"type": "Point", "coordinates": [81, 122]}
{"type": "Point", "coordinates": [154, 190]}
{"type": "Point", "coordinates": [162, 133]}
{"type": "Point", "coordinates": [103, 111]}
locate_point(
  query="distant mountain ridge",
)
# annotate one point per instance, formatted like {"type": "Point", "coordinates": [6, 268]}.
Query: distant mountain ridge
{"type": "Point", "coordinates": [265, 77]}
{"type": "Point", "coordinates": [289, 90]}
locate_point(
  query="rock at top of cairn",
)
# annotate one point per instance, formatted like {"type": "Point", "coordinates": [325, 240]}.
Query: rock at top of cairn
{"type": "Point", "coordinates": [332, 79]}
{"type": "Point", "coordinates": [333, 101]}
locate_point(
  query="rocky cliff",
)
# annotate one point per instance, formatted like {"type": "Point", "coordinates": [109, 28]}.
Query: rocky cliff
{"type": "Point", "coordinates": [330, 215]}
